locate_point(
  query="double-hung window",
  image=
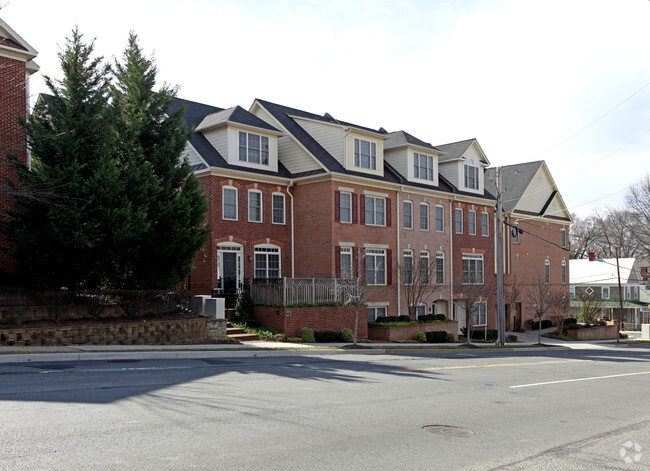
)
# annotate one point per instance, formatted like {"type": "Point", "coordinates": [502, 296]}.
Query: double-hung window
{"type": "Point", "coordinates": [255, 206]}
{"type": "Point", "coordinates": [253, 148]}
{"type": "Point", "coordinates": [424, 216]}
{"type": "Point", "coordinates": [346, 207]}
{"type": "Point", "coordinates": [479, 313]}
{"type": "Point", "coordinates": [229, 203]}
{"type": "Point", "coordinates": [365, 154]}
{"type": "Point", "coordinates": [375, 211]}
{"type": "Point", "coordinates": [515, 233]}
{"type": "Point", "coordinates": [346, 262]}
{"type": "Point", "coordinates": [471, 222]}
{"type": "Point", "coordinates": [563, 241]}
{"type": "Point", "coordinates": [267, 262]}
{"type": "Point", "coordinates": [375, 312]}
{"type": "Point", "coordinates": [471, 175]}
{"type": "Point", "coordinates": [563, 272]}
{"type": "Point", "coordinates": [472, 269]}
{"type": "Point", "coordinates": [408, 267]}
{"type": "Point", "coordinates": [278, 208]}
{"type": "Point", "coordinates": [605, 292]}
{"type": "Point", "coordinates": [547, 272]}
{"type": "Point", "coordinates": [440, 218]}
{"type": "Point", "coordinates": [440, 268]}
{"type": "Point", "coordinates": [424, 267]}
{"type": "Point", "coordinates": [422, 166]}
{"type": "Point", "coordinates": [485, 224]}
{"type": "Point", "coordinates": [408, 215]}
{"type": "Point", "coordinates": [375, 267]}
{"type": "Point", "coordinates": [458, 220]}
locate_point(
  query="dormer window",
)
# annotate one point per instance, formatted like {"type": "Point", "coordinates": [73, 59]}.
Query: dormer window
{"type": "Point", "coordinates": [423, 166]}
{"type": "Point", "coordinates": [471, 175]}
{"type": "Point", "coordinates": [253, 148]}
{"type": "Point", "coordinates": [365, 154]}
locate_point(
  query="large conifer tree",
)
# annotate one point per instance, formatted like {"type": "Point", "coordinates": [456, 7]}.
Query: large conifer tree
{"type": "Point", "coordinates": [159, 185]}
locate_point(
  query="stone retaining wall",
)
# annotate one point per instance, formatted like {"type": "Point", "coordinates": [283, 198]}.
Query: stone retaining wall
{"type": "Point", "coordinates": [163, 332]}
{"type": "Point", "coordinates": [407, 332]}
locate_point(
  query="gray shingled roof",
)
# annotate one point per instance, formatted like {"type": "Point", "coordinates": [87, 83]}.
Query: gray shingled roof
{"type": "Point", "coordinates": [237, 115]}
{"type": "Point", "coordinates": [454, 150]}
{"type": "Point", "coordinates": [402, 138]}
{"type": "Point", "coordinates": [514, 181]}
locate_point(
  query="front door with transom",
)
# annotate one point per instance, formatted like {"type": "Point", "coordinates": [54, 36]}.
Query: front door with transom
{"type": "Point", "coordinates": [230, 271]}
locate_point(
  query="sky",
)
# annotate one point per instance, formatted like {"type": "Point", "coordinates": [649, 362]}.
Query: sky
{"type": "Point", "coordinates": [565, 81]}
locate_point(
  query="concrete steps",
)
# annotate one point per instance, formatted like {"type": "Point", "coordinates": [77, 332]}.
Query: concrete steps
{"type": "Point", "coordinates": [240, 334]}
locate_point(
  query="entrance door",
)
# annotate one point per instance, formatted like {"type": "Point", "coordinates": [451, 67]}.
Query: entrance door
{"type": "Point", "coordinates": [229, 263]}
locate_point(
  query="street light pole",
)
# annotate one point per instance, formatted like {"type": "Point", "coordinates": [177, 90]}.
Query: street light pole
{"type": "Point", "coordinates": [501, 321]}
{"type": "Point", "coordinates": [620, 298]}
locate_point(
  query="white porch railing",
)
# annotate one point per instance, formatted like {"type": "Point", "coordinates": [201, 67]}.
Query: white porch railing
{"type": "Point", "coordinates": [291, 291]}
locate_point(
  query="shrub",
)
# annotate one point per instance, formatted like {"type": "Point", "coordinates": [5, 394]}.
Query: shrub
{"type": "Point", "coordinates": [325, 336]}
{"type": "Point", "coordinates": [245, 306]}
{"type": "Point", "coordinates": [427, 318]}
{"type": "Point", "coordinates": [451, 337]}
{"type": "Point", "coordinates": [441, 317]}
{"type": "Point", "coordinates": [307, 335]}
{"type": "Point", "coordinates": [347, 335]}
{"type": "Point", "coordinates": [382, 320]}
{"type": "Point", "coordinates": [421, 337]}
{"type": "Point", "coordinates": [436, 337]}
{"type": "Point", "coordinates": [570, 320]}
{"type": "Point", "coordinates": [254, 323]}
{"type": "Point", "coordinates": [403, 318]}
{"type": "Point", "coordinates": [482, 334]}
{"type": "Point", "coordinates": [535, 325]}
{"type": "Point", "coordinates": [280, 337]}
{"type": "Point", "coordinates": [393, 318]}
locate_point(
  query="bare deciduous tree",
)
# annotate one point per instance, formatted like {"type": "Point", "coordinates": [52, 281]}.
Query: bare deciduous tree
{"type": "Point", "coordinates": [560, 304]}
{"type": "Point", "coordinates": [590, 308]}
{"type": "Point", "coordinates": [540, 296]}
{"type": "Point", "coordinates": [418, 279]}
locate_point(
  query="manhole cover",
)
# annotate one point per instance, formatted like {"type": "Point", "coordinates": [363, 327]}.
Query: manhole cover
{"type": "Point", "coordinates": [448, 430]}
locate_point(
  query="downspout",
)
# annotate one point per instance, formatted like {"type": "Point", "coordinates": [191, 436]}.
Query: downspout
{"type": "Point", "coordinates": [451, 258]}
{"type": "Point", "coordinates": [293, 245]}
{"type": "Point", "coordinates": [399, 251]}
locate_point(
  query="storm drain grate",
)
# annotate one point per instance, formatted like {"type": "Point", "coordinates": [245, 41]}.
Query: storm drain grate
{"type": "Point", "coordinates": [448, 430]}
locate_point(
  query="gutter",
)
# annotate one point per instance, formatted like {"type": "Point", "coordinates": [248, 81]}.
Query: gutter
{"type": "Point", "coordinates": [293, 245]}
{"type": "Point", "coordinates": [399, 251]}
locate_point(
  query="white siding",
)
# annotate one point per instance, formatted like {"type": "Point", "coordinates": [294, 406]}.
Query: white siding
{"type": "Point", "coordinates": [192, 156]}
{"type": "Point", "coordinates": [219, 140]}
{"type": "Point", "coordinates": [536, 194]}
{"type": "Point", "coordinates": [332, 138]}
{"type": "Point", "coordinates": [290, 153]}
{"type": "Point", "coordinates": [450, 170]}
{"type": "Point", "coordinates": [398, 158]}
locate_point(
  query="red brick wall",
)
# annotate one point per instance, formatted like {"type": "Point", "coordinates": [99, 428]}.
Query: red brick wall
{"type": "Point", "coordinates": [525, 260]}
{"type": "Point", "coordinates": [408, 332]}
{"type": "Point", "coordinates": [466, 243]}
{"type": "Point", "coordinates": [321, 318]}
{"type": "Point", "coordinates": [12, 140]}
{"type": "Point", "coordinates": [249, 234]}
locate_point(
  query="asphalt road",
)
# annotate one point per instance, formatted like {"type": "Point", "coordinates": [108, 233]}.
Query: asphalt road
{"type": "Point", "coordinates": [518, 410]}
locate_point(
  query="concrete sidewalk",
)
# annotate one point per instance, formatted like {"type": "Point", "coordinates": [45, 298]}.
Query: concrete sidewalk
{"type": "Point", "coordinates": [525, 341]}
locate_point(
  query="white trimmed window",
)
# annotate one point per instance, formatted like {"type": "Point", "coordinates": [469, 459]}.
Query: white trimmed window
{"type": "Point", "coordinates": [229, 203]}
{"type": "Point", "coordinates": [440, 219]}
{"type": "Point", "coordinates": [424, 267]}
{"type": "Point", "coordinates": [547, 272]}
{"type": "Point", "coordinates": [458, 220]}
{"type": "Point", "coordinates": [440, 268]}
{"type": "Point", "coordinates": [424, 216]}
{"type": "Point", "coordinates": [515, 233]}
{"type": "Point", "coordinates": [605, 292]}
{"type": "Point", "coordinates": [563, 238]}
{"type": "Point", "coordinates": [375, 312]}
{"type": "Point", "coordinates": [472, 269]}
{"type": "Point", "coordinates": [420, 310]}
{"type": "Point", "coordinates": [572, 292]}
{"type": "Point", "coordinates": [479, 314]}
{"type": "Point", "coordinates": [375, 267]}
{"type": "Point", "coordinates": [485, 224]}
{"type": "Point", "coordinates": [563, 272]}
{"type": "Point", "coordinates": [278, 208]}
{"type": "Point", "coordinates": [471, 175]}
{"type": "Point", "coordinates": [267, 261]}
{"type": "Point", "coordinates": [375, 211]}
{"type": "Point", "coordinates": [408, 215]}
{"type": "Point", "coordinates": [365, 154]}
{"type": "Point", "coordinates": [408, 267]}
{"type": "Point", "coordinates": [423, 167]}
{"type": "Point", "coordinates": [471, 222]}
{"type": "Point", "coordinates": [253, 148]}
{"type": "Point", "coordinates": [346, 207]}
{"type": "Point", "coordinates": [254, 206]}
{"type": "Point", "coordinates": [346, 262]}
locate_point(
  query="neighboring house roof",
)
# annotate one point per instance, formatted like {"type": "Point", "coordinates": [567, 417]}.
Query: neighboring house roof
{"type": "Point", "coordinates": [522, 192]}
{"type": "Point", "coordinates": [603, 272]}
{"type": "Point", "coordinates": [195, 113]}
{"type": "Point", "coordinates": [236, 115]}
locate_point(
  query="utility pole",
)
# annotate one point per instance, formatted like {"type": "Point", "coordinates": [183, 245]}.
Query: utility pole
{"type": "Point", "coordinates": [501, 340]}
{"type": "Point", "coordinates": [620, 298]}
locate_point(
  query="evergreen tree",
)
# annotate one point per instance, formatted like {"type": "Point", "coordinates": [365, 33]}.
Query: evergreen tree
{"type": "Point", "coordinates": [61, 241]}
{"type": "Point", "coordinates": [160, 186]}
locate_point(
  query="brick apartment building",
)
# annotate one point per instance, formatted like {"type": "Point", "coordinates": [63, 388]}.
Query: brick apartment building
{"type": "Point", "coordinates": [16, 65]}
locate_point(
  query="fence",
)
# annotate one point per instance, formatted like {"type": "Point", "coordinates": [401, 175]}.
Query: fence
{"type": "Point", "coordinates": [292, 291]}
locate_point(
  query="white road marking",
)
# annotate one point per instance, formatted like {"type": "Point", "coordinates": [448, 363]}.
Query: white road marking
{"type": "Point", "coordinates": [579, 379]}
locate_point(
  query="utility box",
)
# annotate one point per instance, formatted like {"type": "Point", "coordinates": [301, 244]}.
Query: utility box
{"type": "Point", "coordinates": [198, 305]}
{"type": "Point", "coordinates": [645, 331]}
{"type": "Point", "coordinates": [215, 308]}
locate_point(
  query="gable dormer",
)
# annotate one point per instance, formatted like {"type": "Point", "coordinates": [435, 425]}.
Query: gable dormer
{"type": "Point", "coordinates": [364, 152]}
{"type": "Point", "coordinates": [414, 159]}
{"type": "Point", "coordinates": [242, 139]}
{"type": "Point", "coordinates": [463, 164]}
